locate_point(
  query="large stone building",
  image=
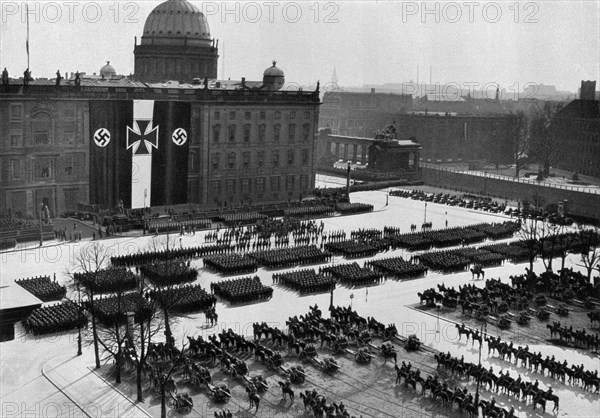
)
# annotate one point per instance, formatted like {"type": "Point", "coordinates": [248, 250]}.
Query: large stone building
{"type": "Point", "coordinates": [578, 127]}
{"type": "Point", "coordinates": [360, 114]}
{"type": "Point", "coordinates": [108, 140]}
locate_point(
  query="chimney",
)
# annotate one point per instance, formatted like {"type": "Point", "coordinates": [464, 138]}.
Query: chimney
{"type": "Point", "coordinates": [243, 81]}
{"type": "Point", "coordinates": [588, 90]}
{"type": "Point", "coordinates": [372, 90]}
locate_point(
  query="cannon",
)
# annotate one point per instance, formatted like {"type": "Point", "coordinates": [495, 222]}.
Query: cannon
{"type": "Point", "coordinates": [257, 382]}
{"type": "Point", "coordinates": [274, 361]}
{"type": "Point", "coordinates": [296, 374]}
{"type": "Point", "coordinates": [200, 377]}
{"type": "Point", "coordinates": [308, 353]}
{"type": "Point", "coordinates": [219, 394]}
{"type": "Point", "coordinates": [339, 345]}
{"type": "Point", "coordinates": [182, 403]}
{"type": "Point", "coordinates": [412, 343]}
{"type": "Point", "coordinates": [363, 355]}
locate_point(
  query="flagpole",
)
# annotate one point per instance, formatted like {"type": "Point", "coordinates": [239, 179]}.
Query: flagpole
{"type": "Point", "coordinates": [27, 43]}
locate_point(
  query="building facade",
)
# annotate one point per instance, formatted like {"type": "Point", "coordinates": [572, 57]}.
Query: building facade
{"type": "Point", "coordinates": [360, 114]}
{"type": "Point", "coordinates": [458, 138]}
{"type": "Point", "coordinates": [114, 141]}
{"type": "Point", "coordinates": [578, 127]}
{"type": "Point", "coordinates": [44, 151]}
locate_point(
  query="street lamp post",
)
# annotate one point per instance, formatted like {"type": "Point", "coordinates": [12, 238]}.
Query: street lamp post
{"type": "Point", "coordinates": [351, 297]}
{"type": "Point", "coordinates": [425, 215]}
{"type": "Point", "coordinates": [79, 352]}
{"type": "Point", "coordinates": [483, 328]}
{"type": "Point", "coordinates": [41, 227]}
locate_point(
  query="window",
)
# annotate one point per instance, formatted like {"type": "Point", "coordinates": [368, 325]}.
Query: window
{"type": "Point", "coordinates": [276, 158]}
{"type": "Point", "coordinates": [292, 115]}
{"type": "Point", "coordinates": [276, 132]}
{"type": "Point", "coordinates": [217, 115]}
{"type": "Point", "coordinates": [231, 133]}
{"type": "Point", "coordinates": [216, 133]}
{"type": "Point", "coordinates": [260, 185]}
{"type": "Point", "coordinates": [306, 131]}
{"type": "Point", "coordinates": [245, 186]}
{"type": "Point", "coordinates": [303, 182]}
{"type": "Point", "coordinates": [16, 138]}
{"type": "Point", "coordinates": [292, 132]}
{"type": "Point", "coordinates": [216, 160]}
{"type": "Point", "coordinates": [277, 114]}
{"type": "Point", "coordinates": [42, 128]}
{"type": "Point", "coordinates": [262, 115]}
{"type": "Point", "coordinates": [246, 159]}
{"type": "Point", "coordinates": [261, 158]}
{"type": "Point", "coordinates": [307, 115]}
{"type": "Point", "coordinates": [305, 157]}
{"type": "Point", "coordinates": [275, 183]}
{"type": "Point", "coordinates": [15, 169]}
{"type": "Point", "coordinates": [16, 112]}
{"type": "Point", "coordinates": [291, 156]}
{"type": "Point", "coordinates": [44, 168]}
{"type": "Point", "coordinates": [246, 133]}
{"type": "Point", "coordinates": [231, 160]}
{"type": "Point", "coordinates": [232, 115]}
{"type": "Point", "coordinates": [290, 182]}
{"type": "Point", "coordinates": [215, 187]}
{"type": "Point", "coordinates": [261, 132]}
{"type": "Point", "coordinates": [248, 115]}
{"type": "Point", "coordinates": [230, 186]}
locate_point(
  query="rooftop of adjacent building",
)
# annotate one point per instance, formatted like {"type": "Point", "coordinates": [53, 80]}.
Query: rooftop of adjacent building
{"type": "Point", "coordinates": [399, 142]}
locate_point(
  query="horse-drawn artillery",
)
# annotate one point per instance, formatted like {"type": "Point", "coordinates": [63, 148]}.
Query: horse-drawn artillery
{"type": "Point", "coordinates": [561, 310]}
{"type": "Point", "coordinates": [387, 350]}
{"type": "Point", "coordinates": [363, 355]}
{"type": "Point", "coordinates": [540, 300]}
{"type": "Point", "coordinates": [182, 403]}
{"type": "Point", "coordinates": [482, 312]}
{"type": "Point", "coordinates": [542, 314]}
{"type": "Point", "coordinates": [274, 361]}
{"type": "Point", "coordinates": [412, 343]}
{"type": "Point", "coordinates": [257, 383]}
{"type": "Point", "coordinates": [308, 353]}
{"type": "Point", "coordinates": [522, 318]}
{"type": "Point", "coordinates": [503, 307]}
{"type": "Point", "coordinates": [296, 374]}
{"type": "Point", "coordinates": [340, 345]}
{"type": "Point", "coordinates": [199, 377]}
{"type": "Point", "coordinates": [220, 394]}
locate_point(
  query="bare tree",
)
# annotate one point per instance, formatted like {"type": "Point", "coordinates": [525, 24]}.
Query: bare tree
{"type": "Point", "coordinates": [531, 234]}
{"type": "Point", "coordinates": [519, 138]}
{"type": "Point", "coordinates": [90, 260]}
{"type": "Point", "coordinates": [546, 142]}
{"type": "Point", "coordinates": [590, 253]}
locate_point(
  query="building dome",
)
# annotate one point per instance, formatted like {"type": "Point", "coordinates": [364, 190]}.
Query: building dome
{"type": "Point", "coordinates": [107, 71]}
{"type": "Point", "coordinates": [177, 19]}
{"type": "Point", "coordinates": [274, 71]}
{"type": "Point", "coordinates": [273, 77]}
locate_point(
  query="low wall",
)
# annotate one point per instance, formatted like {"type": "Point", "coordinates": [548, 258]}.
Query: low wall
{"type": "Point", "coordinates": [579, 203]}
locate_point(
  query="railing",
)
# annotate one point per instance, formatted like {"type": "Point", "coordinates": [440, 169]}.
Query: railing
{"type": "Point", "coordinates": [580, 189]}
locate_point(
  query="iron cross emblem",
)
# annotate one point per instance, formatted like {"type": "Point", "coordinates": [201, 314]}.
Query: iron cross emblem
{"type": "Point", "coordinates": [142, 138]}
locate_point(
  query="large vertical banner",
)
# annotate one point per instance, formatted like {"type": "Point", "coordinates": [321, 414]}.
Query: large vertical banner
{"type": "Point", "coordinates": [170, 164]}
{"type": "Point", "coordinates": [110, 163]}
{"type": "Point", "coordinates": [142, 137]}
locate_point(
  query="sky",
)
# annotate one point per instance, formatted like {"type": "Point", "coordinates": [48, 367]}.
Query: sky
{"type": "Point", "coordinates": [468, 43]}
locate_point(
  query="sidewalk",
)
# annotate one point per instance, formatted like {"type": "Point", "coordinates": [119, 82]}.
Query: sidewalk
{"type": "Point", "coordinates": [90, 393]}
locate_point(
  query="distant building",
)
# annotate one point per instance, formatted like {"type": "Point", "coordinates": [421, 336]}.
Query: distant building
{"type": "Point", "coordinates": [578, 126]}
{"type": "Point", "coordinates": [360, 114]}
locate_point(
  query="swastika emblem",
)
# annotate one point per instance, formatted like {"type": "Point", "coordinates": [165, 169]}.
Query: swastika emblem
{"type": "Point", "coordinates": [102, 137]}
{"type": "Point", "coordinates": [179, 136]}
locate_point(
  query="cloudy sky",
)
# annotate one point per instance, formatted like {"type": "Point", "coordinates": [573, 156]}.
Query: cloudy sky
{"type": "Point", "coordinates": [506, 42]}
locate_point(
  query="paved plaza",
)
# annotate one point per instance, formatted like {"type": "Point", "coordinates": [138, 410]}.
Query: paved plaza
{"type": "Point", "coordinates": [41, 376]}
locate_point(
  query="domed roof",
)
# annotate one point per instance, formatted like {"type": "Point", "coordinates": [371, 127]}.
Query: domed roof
{"type": "Point", "coordinates": [108, 70]}
{"type": "Point", "coordinates": [274, 71]}
{"type": "Point", "coordinates": [177, 18]}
